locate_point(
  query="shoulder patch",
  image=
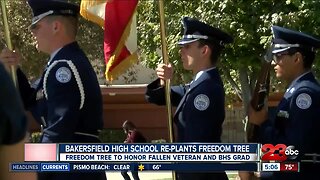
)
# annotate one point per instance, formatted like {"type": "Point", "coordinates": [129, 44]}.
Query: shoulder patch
{"type": "Point", "coordinates": [63, 74]}
{"type": "Point", "coordinates": [304, 101]}
{"type": "Point", "coordinates": [201, 102]}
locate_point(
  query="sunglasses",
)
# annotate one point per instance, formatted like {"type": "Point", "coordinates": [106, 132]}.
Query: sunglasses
{"type": "Point", "coordinates": [279, 56]}
{"type": "Point", "coordinates": [34, 27]}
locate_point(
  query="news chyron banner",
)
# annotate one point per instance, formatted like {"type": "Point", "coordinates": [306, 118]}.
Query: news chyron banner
{"type": "Point", "coordinates": [142, 157]}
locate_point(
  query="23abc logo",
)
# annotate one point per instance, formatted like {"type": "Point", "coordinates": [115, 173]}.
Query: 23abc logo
{"type": "Point", "coordinates": [279, 152]}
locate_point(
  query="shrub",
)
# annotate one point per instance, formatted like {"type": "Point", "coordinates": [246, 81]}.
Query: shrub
{"type": "Point", "coordinates": [35, 137]}
{"type": "Point", "coordinates": [112, 136]}
{"type": "Point", "coordinates": [106, 136]}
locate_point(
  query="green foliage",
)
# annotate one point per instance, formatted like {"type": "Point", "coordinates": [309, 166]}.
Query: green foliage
{"type": "Point", "coordinates": [106, 136]}
{"type": "Point", "coordinates": [248, 21]}
{"type": "Point", "coordinates": [35, 137]}
{"type": "Point", "coordinates": [112, 136]}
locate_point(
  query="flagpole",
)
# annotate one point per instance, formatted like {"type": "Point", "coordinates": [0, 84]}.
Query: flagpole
{"type": "Point", "coordinates": [166, 61]}
{"type": "Point", "coordinates": [7, 38]}
{"type": "Point", "coordinates": [167, 82]}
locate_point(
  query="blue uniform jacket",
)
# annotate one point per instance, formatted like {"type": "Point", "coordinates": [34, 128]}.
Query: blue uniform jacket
{"type": "Point", "coordinates": [199, 115]}
{"type": "Point", "coordinates": [297, 123]}
{"type": "Point", "coordinates": [13, 123]}
{"type": "Point", "coordinates": [200, 107]}
{"type": "Point", "coordinates": [67, 100]}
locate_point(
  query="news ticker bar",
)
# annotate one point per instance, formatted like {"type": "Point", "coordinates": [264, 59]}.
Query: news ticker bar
{"type": "Point", "coordinates": [86, 167]}
{"type": "Point", "coordinates": [187, 167]}
{"type": "Point", "coordinates": [285, 166]}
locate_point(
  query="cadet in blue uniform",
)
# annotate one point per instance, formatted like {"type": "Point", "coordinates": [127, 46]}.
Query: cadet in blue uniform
{"type": "Point", "coordinates": [297, 120]}
{"type": "Point", "coordinates": [13, 127]}
{"type": "Point", "coordinates": [13, 123]}
{"type": "Point", "coordinates": [67, 100]}
{"type": "Point", "coordinates": [200, 105]}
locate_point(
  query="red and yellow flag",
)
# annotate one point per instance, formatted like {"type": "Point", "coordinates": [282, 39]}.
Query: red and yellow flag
{"type": "Point", "coordinates": [116, 17]}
